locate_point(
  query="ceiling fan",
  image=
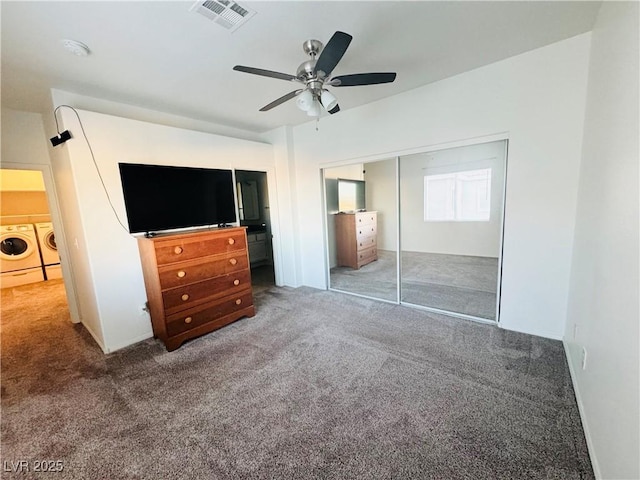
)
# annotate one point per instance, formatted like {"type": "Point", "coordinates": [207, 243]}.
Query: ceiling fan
{"type": "Point", "coordinates": [314, 75]}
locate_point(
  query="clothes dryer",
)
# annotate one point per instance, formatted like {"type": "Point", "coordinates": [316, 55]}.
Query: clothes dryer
{"type": "Point", "coordinates": [47, 241]}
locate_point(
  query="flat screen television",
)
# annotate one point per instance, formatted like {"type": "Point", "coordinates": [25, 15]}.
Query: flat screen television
{"type": "Point", "coordinates": [159, 197]}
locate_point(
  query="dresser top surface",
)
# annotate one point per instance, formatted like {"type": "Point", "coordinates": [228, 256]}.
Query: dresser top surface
{"type": "Point", "coordinates": [364, 212]}
{"type": "Point", "coordinates": [193, 233]}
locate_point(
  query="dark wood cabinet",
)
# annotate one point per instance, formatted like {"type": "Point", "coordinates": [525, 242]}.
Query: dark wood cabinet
{"type": "Point", "coordinates": [196, 282]}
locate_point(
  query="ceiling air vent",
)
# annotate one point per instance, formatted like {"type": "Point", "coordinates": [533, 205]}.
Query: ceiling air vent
{"type": "Point", "coordinates": [224, 12]}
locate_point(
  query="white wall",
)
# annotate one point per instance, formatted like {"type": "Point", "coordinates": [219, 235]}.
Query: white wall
{"type": "Point", "coordinates": [107, 255]}
{"type": "Point", "coordinates": [287, 246]}
{"type": "Point", "coordinates": [538, 98]}
{"type": "Point", "coordinates": [133, 112]}
{"type": "Point", "coordinates": [350, 172]}
{"type": "Point", "coordinates": [480, 239]}
{"type": "Point", "coordinates": [604, 298]}
{"type": "Point", "coordinates": [381, 192]}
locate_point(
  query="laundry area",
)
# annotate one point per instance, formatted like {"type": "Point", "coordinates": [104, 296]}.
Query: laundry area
{"type": "Point", "coordinates": [28, 250]}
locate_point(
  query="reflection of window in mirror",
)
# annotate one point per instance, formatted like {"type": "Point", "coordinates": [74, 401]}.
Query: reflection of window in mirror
{"type": "Point", "coordinates": [458, 196]}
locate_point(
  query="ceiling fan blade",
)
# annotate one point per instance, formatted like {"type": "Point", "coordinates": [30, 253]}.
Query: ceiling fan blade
{"type": "Point", "coordinates": [362, 79]}
{"type": "Point", "coordinates": [332, 53]}
{"type": "Point", "coordinates": [280, 100]}
{"type": "Point", "coordinates": [265, 73]}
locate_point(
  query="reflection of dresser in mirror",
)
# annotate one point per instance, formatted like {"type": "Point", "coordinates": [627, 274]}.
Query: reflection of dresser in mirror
{"type": "Point", "coordinates": [356, 243]}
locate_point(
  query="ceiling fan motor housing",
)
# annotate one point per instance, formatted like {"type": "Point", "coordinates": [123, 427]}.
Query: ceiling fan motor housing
{"type": "Point", "coordinates": [312, 47]}
{"type": "Point", "coordinates": [305, 70]}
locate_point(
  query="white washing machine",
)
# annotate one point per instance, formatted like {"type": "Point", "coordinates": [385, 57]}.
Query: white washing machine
{"type": "Point", "coordinates": [19, 256]}
{"type": "Point", "coordinates": [48, 250]}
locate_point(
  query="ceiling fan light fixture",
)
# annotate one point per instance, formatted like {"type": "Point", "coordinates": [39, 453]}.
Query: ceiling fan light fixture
{"type": "Point", "coordinates": [305, 101]}
{"type": "Point", "coordinates": [314, 110]}
{"type": "Point", "coordinates": [329, 101]}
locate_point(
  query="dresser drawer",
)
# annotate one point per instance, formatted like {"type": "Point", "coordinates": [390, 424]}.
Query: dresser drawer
{"type": "Point", "coordinates": [185, 273]}
{"type": "Point", "coordinates": [365, 231]}
{"type": "Point", "coordinates": [367, 256]}
{"type": "Point", "coordinates": [366, 218]}
{"type": "Point", "coordinates": [364, 242]}
{"type": "Point", "coordinates": [183, 297]}
{"type": "Point", "coordinates": [209, 312]}
{"type": "Point", "coordinates": [184, 248]}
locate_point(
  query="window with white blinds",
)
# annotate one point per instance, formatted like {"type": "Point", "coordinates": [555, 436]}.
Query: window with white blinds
{"type": "Point", "coordinates": [458, 197]}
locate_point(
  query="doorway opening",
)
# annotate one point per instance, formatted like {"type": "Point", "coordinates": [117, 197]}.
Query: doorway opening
{"type": "Point", "coordinates": [31, 274]}
{"type": "Point", "coordinates": [253, 211]}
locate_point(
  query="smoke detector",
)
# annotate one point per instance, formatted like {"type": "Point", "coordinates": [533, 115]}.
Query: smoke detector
{"type": "Point", "coordinates": [225, 13]}
{"type": "Point", "coordinates": [75, 47]}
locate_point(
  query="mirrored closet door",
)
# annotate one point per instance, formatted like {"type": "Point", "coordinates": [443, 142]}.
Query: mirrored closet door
{"type": "Point", "coordinates": [451, 219]}
{"type": "Point", "coordinates": [362, 234]}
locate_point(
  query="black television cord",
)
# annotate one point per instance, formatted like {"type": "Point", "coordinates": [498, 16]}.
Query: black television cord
{"type": "Point", "coordinates": [61, 138]}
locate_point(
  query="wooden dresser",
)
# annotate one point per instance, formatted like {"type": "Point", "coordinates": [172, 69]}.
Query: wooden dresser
{"type": "Point", "coordinates": [196, 282]}
{"type": "Point", "coordinates": [356, 238]}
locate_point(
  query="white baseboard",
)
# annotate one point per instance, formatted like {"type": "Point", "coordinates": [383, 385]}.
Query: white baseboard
{"type": "Point", "coordinates": [95, 337]}
{"type": "Point", "coordinates": [128, 343]}
{"type": "Point", "coordinates": [549, 335]}
{"type": "Point", "coordinates": [585, 425]}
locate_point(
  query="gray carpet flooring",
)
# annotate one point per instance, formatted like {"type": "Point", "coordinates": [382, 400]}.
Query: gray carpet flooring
{"type": "Point", "coordinates": [318, 385]}
{"type": "Point", "coordinates": [454, 283]}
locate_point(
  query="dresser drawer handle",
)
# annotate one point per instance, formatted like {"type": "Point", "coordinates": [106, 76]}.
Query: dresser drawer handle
{"type": "Point", "coordinates": [185, 297]}
{"type": "Point", "coordinates": [232, 241]}
{"type": "Point", "coordinates": [236, 282]}
{"type": "Point", "coordinates": [188, 320]}
{"type": "Point", "coordinates": [233, 261]}
{"type": "Point", "coordinates": [181, 274]}
{"type": "Point", "coordinates": [177, 250]}
{"type": "Point", "coordinates": [238, 301]}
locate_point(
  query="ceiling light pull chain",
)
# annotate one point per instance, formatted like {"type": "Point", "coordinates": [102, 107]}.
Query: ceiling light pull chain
{"type": "Point", "coordinates": [317, 122]}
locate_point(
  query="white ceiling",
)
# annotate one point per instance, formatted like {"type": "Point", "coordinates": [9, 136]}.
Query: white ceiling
{"type": "Point", "coordinates": [161, 56]}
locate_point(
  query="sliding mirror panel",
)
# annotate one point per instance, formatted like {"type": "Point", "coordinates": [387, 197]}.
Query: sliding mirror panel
{"type": "Point", "coordinates": [362, 219]}
{"type": "Point", "coordinates": [451, 216]}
